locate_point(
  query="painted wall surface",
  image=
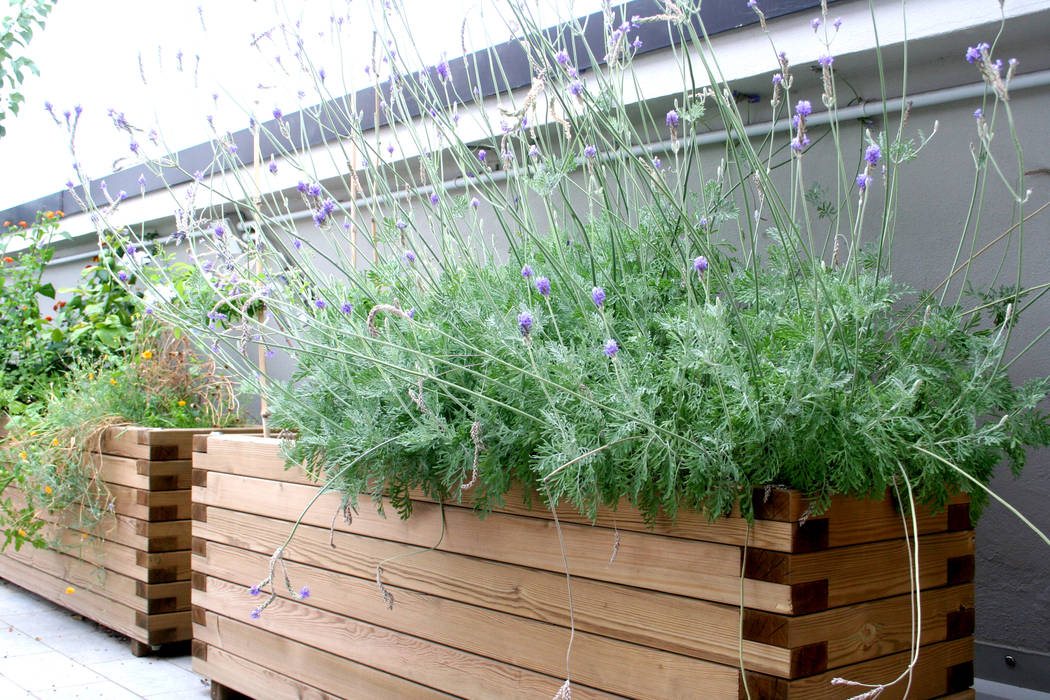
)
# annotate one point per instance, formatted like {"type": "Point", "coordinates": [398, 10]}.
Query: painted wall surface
{"type": "Point", "coordinates": [1013, 567]}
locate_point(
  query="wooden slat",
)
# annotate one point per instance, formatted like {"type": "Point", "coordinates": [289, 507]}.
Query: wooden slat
{"type": "Point", "coordinates": [849, 521]}
{"type": "Point", "coordinates": [942, 669]}
{"type": "Point", "coordinates": [151, 505]}
{"type": "Point", "coordinates": [140, 596]}
{"type": "Point", "coordinates": [600, 662]}
{"type": "Point", "coordinates": [138, 442]}
{"type": "Point", "coordinates": [148, 567]}
{"type": "Point", "coordinates": [429, 664]}
{"type": "Point", "coordinates": [643, 560]}
{"type": "Point", "coordinates": [970, 694]}
{"type": "Point", "coordinates": [165, 475]}
{"type": "Point", "coordinates": [251, 679]}
{"type": "Point", "coordinates": [315, 669]}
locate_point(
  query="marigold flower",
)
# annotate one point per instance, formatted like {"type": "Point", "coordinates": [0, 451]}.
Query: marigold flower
{"type": "Point", "coordinates": [59, 213]}
{"type": "Point", "coordinates": [8, 259]}
{"type": "Point", "coordinates": [49, 214]}
{"type": "Point", "coordinates": [181, 402]}
{"type": "Point", "coordinates": [70, 590]}
{"type": "Point", "coordinates": [21, 532]}
{"type": "Point", "coordinates": [23, 224]}
{"type": "Point", "coordinates": [23, 456]}
{"type": "Point", "coordinates": [112, 380]}
{"type": "Point", "coordinates": [54, 442]}
{"type": "Point", "coordinates": [147, 354]}
{"type": "Point", "coordinates": [47, 489]}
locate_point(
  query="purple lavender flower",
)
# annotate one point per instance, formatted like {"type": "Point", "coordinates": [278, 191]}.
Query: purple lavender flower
{"type": "Point", "coordinates": [475, 202]}
{"type": "Point", "coordinates": [481, 155]}
{"type": "Point", "coordinates": [142, 180]}
{"type": "Point", "coordinates": [134, 147]}
{"type": "Point", "coordinates": [978, 113]}
{"type": "Point", "coordinates": [277, 113]}
{"type": "Point", "coordinates": [703, 221]}
{"type": "Point", "coordinates": [611, 348]}
{"type": "Point", "coordinates": [270, 353]}
{"type": "Point", "coordinates": [637, 43]}
{"type": "Point", "coordinates": [320, 303]}
{"type": "Point", "coordinates": [656, 162]}
{"type": "Point", "coordinates": [401, 224]}
{"type": "Point", "coordinates": [598, 296]}
{"type": "Point", "coordinates": [543, 286]}
{"type": "Point", "coordinates": [254, 590]}
{"type": "Point", "coordinates": [412, 312]}
{"type": "Point", "coordinates": [443, 69]}
{"type": "Point", "coordinates": [526, 271]}
{"type": "Point", "coordinates": [872, 154]}
{"type": "Point", "coordinates": [525, 322]}
{"type": "Point", "coordinates": [837, 23]}
{"type": "Point", "coordinates": [304, 592]}
{"type": "Point", "coordinates": [132, 249]}
{"type": "Point", "coordinates": [590, 152]}
{"type": "Point", "coordinates": [672, 118]}
{"type": "Point", "coordinates": [796, 145]}
{"type": "Point", "coordinates": [700, 264]}
{"type": "Point", "coordinates": [297, 244]}
{"type": "Point", "coordinates": [804, 108]}
{"type": "Point", "coordinates": [256, 613]}
{"type": "Point", "coordinates": [534, 151]}
{"type": "Point", "coordinates": [149, 311]}
{"type": "Point", "coordinates": [322, 75]}
{"type": "Point", "coordinates": [815, 23]}
{"type": "Point", "coordinates": [863, 180]}
{"type": "Point", "coordinates": [575, 88]}
{"type": "Point", "coordinates": [273, 167]}
{"type": "Point", "coordinates": [347, 307]}
{"type": "Point", "coordinates": [562, 57]}
{"type": "Point", "coordinates": [778, 78]}
{"type": "Point", "coordinates": [219, 230]}
{"type": "Point", "coordinates": [314, 190]}
{"type": "Point", "coordinates": [301, 186]}
{"type": "Point", "coordinates": [752, 4]}
{"type": "Point", "coordinates": [826, 60]}
{"type": "Point", "coordinates": [434, 198]}
{"type": "Point", "coordinates": [123, 276]}
{"type": "Point", "coordinates": [409, 256]}
{"type": "Point", "coordinates": [974, 53]}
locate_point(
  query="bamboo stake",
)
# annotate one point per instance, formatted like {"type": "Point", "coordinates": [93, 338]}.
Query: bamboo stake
{"type": "Point", "coordinates": [264, 410]}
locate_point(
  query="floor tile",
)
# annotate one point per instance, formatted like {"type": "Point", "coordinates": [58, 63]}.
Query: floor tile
{"type": "Point", "coordinates": [10, 691]}
{"type": "Point", "coordinates": [203, 693]}
{"type": "Point", "coordinates": [14, 600]}
{"type": "Point", "coordinates": [47, 624]}
{"type": "Point", "coordinates": [183, 662]}
{"type": "Point", "coordinates": [15, 643]}
{"type": "Point", "coordinates": [102, 690]}
{"type": "Point", "coordinates": [147, 676]}
{"type": "Point", "coordinates": [91, 647]}
{"type": "Point", "coordinates": [45, 671]}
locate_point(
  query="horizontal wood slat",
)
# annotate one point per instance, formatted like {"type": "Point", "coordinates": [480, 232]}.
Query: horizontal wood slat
{"type": "Point", "coordinates": [660, 619]}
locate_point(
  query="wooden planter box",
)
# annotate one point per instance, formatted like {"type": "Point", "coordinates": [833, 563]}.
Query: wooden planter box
{"type": "Point", "coordinates": [486, 614]}
{"type": "Point", "coordinates": [131, 571]}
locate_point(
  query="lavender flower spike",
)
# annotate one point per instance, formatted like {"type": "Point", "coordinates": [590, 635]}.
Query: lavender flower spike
{"type": "Point", "coordinates": [872, 154]}
{"type": "Point", "coordinates": [543, 286]}
{"type": "Point", "coordinates": [611, 348]}
{"type": "Point", "coordinates": [525, 322]}
{"type": "Point", "coordinates": [598, 296]}
{"type": "Point", "coordinates": [256, 613]}
{"type": "Point", "coordinates": [304, 592]}
{"type": "Point", "coordinates": [700, 264]}
{"type": "Point", "coordinates": [590, 152]}
{"type": "Point", "coordinates": [804, 108]}
{"type": "Point", "coordinates": [526, 271]}
{"type": "Point", "coordinates": [254, 590]}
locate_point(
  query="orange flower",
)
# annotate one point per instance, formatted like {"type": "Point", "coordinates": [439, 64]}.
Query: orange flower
{"type": "Point", "coordinates": [7, 223]}
{"type": "Point", "coordinates": [60, 213]}
{"type": "Point", "coordinates": [70, 590]}
{"type": "Point", "coordinates": [61, 304]}
{"type": "Point", "coordinates": [112, 380]}
{"type": "Point", "coordinates": [47, 489]}
{"type": "Point", "coordinates": [181, 402]}
{"type": "Point", "coordinates": [23, 224]}
{"type": "Point", "coordinates": [8, 259]}
{"type": "Point", "coordinates": [49, 214]}
{"type": "Point", "coordinates": [21, 532]}
{"type": "Point", "coordinates": [147, 354]}
{"type": "Point", "coordinates": [48, 318]}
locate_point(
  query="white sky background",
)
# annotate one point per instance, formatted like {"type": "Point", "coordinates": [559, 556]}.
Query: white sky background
{"type": "Point", "coordinates": [89, 55]}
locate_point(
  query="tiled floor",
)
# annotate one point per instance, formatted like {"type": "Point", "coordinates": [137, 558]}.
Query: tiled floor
{"type": "Point", "coordinates": [48, 652]}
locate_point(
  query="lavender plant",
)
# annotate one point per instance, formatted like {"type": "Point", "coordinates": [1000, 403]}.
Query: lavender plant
{"type": "Point", "coordinates": [563, 293]}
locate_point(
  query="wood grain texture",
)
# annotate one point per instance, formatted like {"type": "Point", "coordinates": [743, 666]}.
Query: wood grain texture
{"type": "Point", "coordinates": [436, 666]}
{"type": "Point", "coordinates": [598, 661]}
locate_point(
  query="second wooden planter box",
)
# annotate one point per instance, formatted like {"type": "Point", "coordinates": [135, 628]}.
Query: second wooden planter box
{"type": "Point", "coordinates": [130, 571]}
{"type": "Point", "coordinates": [486, 614]}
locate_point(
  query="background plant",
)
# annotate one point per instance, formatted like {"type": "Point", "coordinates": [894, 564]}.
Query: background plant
{"type": "Point", "coordinates": [16, 32]}
{"type": "Point", "coordinates": [153, 380]}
